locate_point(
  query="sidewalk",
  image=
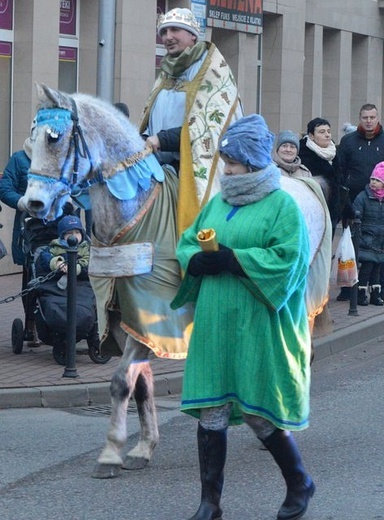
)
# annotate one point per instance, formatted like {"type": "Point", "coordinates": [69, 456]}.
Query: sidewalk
{"type": "Point", "coordinates": [34, 379]}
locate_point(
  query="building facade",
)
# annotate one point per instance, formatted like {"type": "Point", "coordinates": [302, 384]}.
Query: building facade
{"type": "Point", "coordinates": [311, 59]}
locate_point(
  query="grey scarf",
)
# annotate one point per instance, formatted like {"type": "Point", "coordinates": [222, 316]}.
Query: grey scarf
{"type": "Point", "coordinates": [291, 167]}
{"type": "Point", "coordinates": [243, 189]}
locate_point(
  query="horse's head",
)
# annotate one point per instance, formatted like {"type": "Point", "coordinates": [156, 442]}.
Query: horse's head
{"type": "Point", "coordinates": [73, 137]}
{"type": "Point", "coordinates": [52, 164]}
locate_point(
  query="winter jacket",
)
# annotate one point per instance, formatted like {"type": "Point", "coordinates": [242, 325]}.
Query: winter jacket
{"type": "Point", "coordinates": [12, 187]}
{"type": "Point", "coordinates": [331, 174]}
{"type": "Point", "coordinates": [371, 247]}
{"type": "Point", "coordinates": [357, 158]}
{"type": "Point", "coordinates": [53, 255]}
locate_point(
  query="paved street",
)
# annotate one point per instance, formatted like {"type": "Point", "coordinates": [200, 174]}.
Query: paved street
{"type": "Point", "coordinates": [34, 379]}
{"type": "Point", "coordinates": [48, 456]}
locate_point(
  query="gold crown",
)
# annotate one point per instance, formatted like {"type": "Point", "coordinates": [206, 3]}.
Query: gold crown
{"type": "Point", "coordinates": [178, 17]}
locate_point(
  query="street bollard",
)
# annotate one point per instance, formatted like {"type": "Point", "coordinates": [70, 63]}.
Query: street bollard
{"type": "Point", "coordinates": [355, 231]}
{"type": "Point", "coordinates": [70, 369]}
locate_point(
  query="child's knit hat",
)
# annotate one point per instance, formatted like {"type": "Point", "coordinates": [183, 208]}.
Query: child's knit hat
{"type": "Point", "coordinates": [68, 223]}
{"type": "Point", "coordinates": [378, 172]}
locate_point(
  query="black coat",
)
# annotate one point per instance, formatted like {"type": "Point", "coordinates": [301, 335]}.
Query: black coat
{"type": "Point", "coordinates": [358, 156]}
{"type": "Point", "coordinates": [331, 174]}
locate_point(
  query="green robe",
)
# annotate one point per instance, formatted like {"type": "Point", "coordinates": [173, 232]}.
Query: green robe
{"type": "Point", "coordinates": [250, 343]}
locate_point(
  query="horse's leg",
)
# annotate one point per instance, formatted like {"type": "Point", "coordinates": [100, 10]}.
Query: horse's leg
{"type": "Point", "coordinates": [141, 454]}
{"type": "Point", "coordinates": [109, 462]}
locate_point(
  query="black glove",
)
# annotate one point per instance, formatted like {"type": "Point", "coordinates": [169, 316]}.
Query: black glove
{"type": "Point", "coordinates": [348, 214]}
{"type": "Point", "coordinates": [214, 262]}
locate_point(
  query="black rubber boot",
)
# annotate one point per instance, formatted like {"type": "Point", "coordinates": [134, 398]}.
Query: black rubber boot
{"type": "Point", "coordinates": [375, 298]}
{"type": "Point", "coordinates": [300, 486]}
{"type": "Point", "coordinates": [344, 295]}
{"type": "Point", "coordinates": [362, 298]}
{"type": "Point", "coordinates": [212, 448]}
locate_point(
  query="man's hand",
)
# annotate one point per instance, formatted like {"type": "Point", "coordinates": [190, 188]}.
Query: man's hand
{"type": "Point", "coordinates": [153, 142]}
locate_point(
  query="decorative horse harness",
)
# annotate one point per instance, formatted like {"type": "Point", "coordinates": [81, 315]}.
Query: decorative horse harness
{"type": "Point", "coordinates": [57, 120]}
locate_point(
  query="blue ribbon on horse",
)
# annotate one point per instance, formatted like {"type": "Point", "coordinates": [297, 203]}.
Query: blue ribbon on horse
{"type": "Point", "coordinates": [124, 184]}
{"type": "Point", "coordinates": [56, 118]}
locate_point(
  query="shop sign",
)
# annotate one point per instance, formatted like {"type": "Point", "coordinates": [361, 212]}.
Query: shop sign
{"type": "Point", "coordinates": [67, 54]}
{"type": "Point", "coordinates": [5, 49]}
{"type": "Point", "coordinates": [237, 15]}
{"type": "Point", "coordinates": [6, 11]}
{"type": "Point", "coordinates": [198, 8]}
{"type": "Point", "coordinates": [67, 17]}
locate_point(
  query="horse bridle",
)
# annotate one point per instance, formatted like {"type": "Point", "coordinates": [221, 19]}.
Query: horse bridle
{"type": "Point", "coordinates": [78, 136]}
{"type": "Point", "coordinates": [80, 148]}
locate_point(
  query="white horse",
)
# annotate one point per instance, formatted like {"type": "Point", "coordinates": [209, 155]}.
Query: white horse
{"type": "Point", "coordinates": [81, 142]}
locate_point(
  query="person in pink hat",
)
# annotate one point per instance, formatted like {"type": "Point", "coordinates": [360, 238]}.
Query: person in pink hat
{"type": "Point", "coordinates": [370, 209]}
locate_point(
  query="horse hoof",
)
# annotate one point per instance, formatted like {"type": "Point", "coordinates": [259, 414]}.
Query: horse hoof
{"type": "Point", "coordinates": [134, 463]}
{"type": "Point", "coordinates": [106, 471]}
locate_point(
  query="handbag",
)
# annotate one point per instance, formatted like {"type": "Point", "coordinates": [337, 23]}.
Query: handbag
{"type": "Point", "coordinates": [344, 268]}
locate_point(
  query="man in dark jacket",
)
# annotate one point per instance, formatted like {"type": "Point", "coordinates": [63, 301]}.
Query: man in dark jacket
{"type": "Point", "coordinates": [358, 153]}
{"type": "Point", "coordinates": [12, 189]}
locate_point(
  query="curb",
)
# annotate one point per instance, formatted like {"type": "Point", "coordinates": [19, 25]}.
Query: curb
{"type": "Point", "coordinates": [348, 337]}
{"type": "Point", "coordinates": [164, 385]}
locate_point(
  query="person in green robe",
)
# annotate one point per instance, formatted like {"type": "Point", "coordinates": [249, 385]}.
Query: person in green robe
{"type": "Point", "coordinates": [249, 354]}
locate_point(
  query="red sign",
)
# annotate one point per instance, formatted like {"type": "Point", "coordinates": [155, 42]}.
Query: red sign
{"type": "Point", "coordinates": [6, 11]}
{"type": "Point", "coordinates": [237, 15]}
{"type": "Point", "coordinates": [67, 54]}
{"type": "Point", "coordinates": [5, 49]}
{"type": "Point", "coordinates": [67, 17]}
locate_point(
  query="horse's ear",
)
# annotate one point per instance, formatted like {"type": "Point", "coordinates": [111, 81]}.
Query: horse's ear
{"type": "Point", "coordinates": [49, 97]}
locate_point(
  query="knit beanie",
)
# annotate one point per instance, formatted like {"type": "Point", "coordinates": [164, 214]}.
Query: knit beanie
{"type": "Point", "coordinates": [249, 142]}
{"type": "Point", "coordinates": [68, 223]}
{"type": "Point", "coordinates": [378, 172]}
{"type": "Point", "coordinates": [347, 128]}
{"type": "Point", "coordinates": [179, 17]}
{"type": "Point", "coordinates": [287, 136]}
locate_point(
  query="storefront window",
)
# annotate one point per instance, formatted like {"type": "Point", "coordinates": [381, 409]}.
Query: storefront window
{"type": "Point", "coordinates": [160, 51]}
{"type": "Point", "coordinates": [68, 69]}
{"type": "Point", "coordinates": [6, 38]}
{"type": "Point", "coordinates": [5, 97]}
{"type": "Point", "coordinates": [69, 42]}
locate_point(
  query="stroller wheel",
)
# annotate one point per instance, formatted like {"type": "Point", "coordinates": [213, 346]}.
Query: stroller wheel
{"type": "Point", "coordinates": [59, 353]}
{"type": "Point", "coordinates": [17, 336]}
{"type": "Point", "coordinates": [94, 351]}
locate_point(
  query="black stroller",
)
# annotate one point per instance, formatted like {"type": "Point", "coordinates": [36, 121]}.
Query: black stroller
{"type": "Point", "coordinates": [46, 303]}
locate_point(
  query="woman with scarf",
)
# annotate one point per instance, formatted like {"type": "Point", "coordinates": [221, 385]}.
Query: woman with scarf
{"type": "Point", "coordinates": [248, 359]}
{"type": "Point", "coordinates": [318, 153]}
{"type": "Point", "coordinates": [285, 156]}
{"type": "Point", "coordinates": [369, 204]}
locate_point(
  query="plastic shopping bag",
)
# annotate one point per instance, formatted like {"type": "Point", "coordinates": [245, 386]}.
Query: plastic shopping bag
{"type": "Point", "coordinates": [344, 268]}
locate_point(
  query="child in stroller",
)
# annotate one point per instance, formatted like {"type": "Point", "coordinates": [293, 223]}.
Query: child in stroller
{"type": "Point", "coordinates": [50, 309]}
